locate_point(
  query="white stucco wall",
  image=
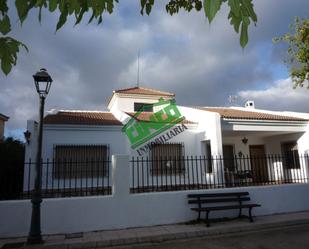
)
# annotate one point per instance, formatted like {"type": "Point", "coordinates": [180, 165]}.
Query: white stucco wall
{"type": "Point", "coordinates": [123, 210]}
{"type": "Point", "coordinates": [303, 142]}
{"type": "Point", "coordinates": [84, 135]}
{"type": "Point", "coordinates": [208, 128]}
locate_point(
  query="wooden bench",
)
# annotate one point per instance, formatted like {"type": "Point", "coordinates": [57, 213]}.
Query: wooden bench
{"type": "Point", "coordinates": [221, 201]}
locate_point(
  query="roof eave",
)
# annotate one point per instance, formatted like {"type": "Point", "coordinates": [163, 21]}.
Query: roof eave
{"type": "Point", "coordinates": [265, 120]}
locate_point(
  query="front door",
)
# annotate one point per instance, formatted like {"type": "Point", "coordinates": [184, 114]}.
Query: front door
{"type": "Point", "coordinates": [228, 157]}
{"type": "Point", "coordinates": [258, 163]}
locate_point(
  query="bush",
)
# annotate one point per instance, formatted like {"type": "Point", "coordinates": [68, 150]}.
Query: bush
{"type": "Point", "coordinates": [11, 168]}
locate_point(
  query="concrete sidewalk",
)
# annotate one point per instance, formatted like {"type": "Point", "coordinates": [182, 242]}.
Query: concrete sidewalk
{"type": "Point", "coordinates": [100, 239]}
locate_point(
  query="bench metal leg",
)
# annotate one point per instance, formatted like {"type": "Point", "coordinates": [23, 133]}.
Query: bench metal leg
{"type": "Point", "coordinates": [207, 220]}
{"type": "Point", "coordinates": [239, 213]}
{"type": "Point", "coordinates": [250, 214]}
{"type": "Point", "coordinates": [199, 216]}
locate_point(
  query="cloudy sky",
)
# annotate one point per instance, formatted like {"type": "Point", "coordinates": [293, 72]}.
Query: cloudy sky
{"type": "Point", "coordinates": [202, 64]}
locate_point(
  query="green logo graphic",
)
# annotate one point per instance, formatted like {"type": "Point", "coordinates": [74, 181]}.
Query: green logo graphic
{"type": "Point", "coordinates": [140, 131]}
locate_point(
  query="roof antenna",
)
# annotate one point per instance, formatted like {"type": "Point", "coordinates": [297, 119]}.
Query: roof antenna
{"type": "Point", "coordinates": [233, 99]}
{"type": "Point", "coordinates": [137, 81]}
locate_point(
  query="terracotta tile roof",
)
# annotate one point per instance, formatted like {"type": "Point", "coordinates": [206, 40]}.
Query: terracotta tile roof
{"type": "Point", "coordinates": [144, 91]}
{"type": "Point", "coordinates": [145, 116]}
{"type": "Point", "coordinates": [241, 114]}
{"type": "Point", "coordinates": [82, 118]}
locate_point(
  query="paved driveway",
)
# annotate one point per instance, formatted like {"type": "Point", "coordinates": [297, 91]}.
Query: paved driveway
{"type": "Point", "coordinates": [296, 237]}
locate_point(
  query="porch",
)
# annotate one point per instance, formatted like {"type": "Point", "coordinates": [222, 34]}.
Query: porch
{"type": "Point", "coordinates": [269, 155]}
{"type": "Point", "coordinates": [201, 172]}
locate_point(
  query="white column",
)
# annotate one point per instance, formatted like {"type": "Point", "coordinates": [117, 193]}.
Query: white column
{"type": "Point", "coordinates": [214, 131]}
{"type": "Point", "coordinates": [120, 176]}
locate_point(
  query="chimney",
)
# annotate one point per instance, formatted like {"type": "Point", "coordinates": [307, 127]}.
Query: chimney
{"type": "Point", "coordinates": [250, 104]}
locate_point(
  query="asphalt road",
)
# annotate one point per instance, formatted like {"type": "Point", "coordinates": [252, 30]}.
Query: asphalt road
{"type": "Point", "coordinates": [296, 237]}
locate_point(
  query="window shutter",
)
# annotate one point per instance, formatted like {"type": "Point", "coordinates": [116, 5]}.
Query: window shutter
{"type": "Point", "coordinates": [167, 159]}
{"type": "Point", "coordinates": [80, 161]}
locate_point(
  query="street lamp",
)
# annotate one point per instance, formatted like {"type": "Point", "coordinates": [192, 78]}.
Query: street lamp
{"type": "Point", "coordinates": [27, 135]}
{"type": "Point", "coordinates": [42, 81]}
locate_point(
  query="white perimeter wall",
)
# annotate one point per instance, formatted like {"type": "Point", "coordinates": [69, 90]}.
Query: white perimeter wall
{"type": "Point", "coordinates": [122, 210]}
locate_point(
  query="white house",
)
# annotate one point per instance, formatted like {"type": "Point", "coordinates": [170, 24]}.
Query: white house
{"type": "Point", "coordinates": [147, 143]}
{"type": "Point", "coordinates": [272, 145]}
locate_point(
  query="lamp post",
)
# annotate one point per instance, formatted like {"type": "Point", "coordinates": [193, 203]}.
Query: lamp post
{"type": "Point", "coordinates": [42, 81]}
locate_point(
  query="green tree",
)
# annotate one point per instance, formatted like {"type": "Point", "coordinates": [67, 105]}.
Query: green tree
{"type": "Point", "coordinates": [12, 154]}
{"type": "Point", "coordinates": [240, 14]}
{"type": "Point", "coordinates": [298, 51]}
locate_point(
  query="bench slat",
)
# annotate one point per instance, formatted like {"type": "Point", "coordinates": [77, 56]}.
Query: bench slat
{"type": "Point", "coordinates": [218, 194]}
{"type": "Point", "coordinates": [215, 200]}
{"type": "Point", "coordinates": [225, 207]}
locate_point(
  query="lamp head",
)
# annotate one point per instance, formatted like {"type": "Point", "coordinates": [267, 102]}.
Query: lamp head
{"type": "Point", "coordinates": [42, 81]}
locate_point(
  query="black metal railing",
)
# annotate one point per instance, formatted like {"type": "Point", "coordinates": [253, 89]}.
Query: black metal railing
{"type": "Point", "coordinates": [68, 178]}
{"type": "Point", "coordinates": [59, 178]}
{"type": "Point", "coordinates": [201, 172]}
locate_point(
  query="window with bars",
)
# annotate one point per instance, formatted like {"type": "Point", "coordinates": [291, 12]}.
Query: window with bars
{"type": "Point", "coordinates": [80, 161]}
{"type": "Point", "coordinates": [290, 155]}
{"type": "Point", "coordinates": [167, 159]}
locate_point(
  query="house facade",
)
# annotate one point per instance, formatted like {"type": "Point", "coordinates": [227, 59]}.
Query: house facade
{"type": "Point", "coordinates": [232, 141]}
{"type": "Point", "coordinates": [3, 119]}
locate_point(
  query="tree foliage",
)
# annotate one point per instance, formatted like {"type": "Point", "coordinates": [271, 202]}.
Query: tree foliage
{"type": "Point", "coordinates": [298, 51]}
{"type": "Point", "coordinates": [11, 150]}
{"type": "Point", "coordinates": [240, 14]}
{"type": "Point", "coordinates": [12, 154]}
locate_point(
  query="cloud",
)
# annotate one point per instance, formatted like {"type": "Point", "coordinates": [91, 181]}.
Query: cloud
{"type": "Point", "coordinates": [203, 64]}
{"type": "Point", "coordinates": [280, 96]}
